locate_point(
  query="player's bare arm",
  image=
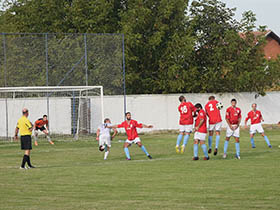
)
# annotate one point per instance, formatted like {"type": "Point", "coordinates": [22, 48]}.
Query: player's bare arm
{"type": "Point", "coordinates": [239, 121]}
{"type": "Point", "coordinates": [147, 126]}
{"type": "Point", "coordinates": [199, 125]}
{"type": "Point", "coordinates": [16, 133]}
{"type": "Point", "coordinates": [229, 124]}
{"type": "Point", "coordinates": [115, 132]}
{"type": "Point", "coordinates": [97, 134]}
{"type": "Point", "coordinates": [112, 126]}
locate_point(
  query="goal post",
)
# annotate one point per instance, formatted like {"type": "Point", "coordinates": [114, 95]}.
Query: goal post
{"type": "Point", "coordinates": [72, 110]}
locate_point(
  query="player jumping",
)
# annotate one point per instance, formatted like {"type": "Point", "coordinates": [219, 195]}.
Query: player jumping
{"type": "Point", "coordinates": [186, 110]}
{"type": "Point", "coordinates": [132, 136]}
{"type": "Point", "coordinates": [256, 117]}
{"type": "Point", "coordinates": [200, 132]}
{"type": "Point", "coordinates": [233, 118]}
{"type": "Point", "coordinates": [104, 137]}
{"type": "Point", "coordinates": [215, 122]}
{"type": "Point", "coordinates": [40, 125]}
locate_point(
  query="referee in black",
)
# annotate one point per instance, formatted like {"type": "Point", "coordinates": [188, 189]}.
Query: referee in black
{"type": "Point", "coordinates": [25, 127]}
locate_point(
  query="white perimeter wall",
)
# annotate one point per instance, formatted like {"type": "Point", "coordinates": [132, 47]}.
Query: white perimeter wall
{"type": "Point", "coordinates": [158, 110]}
{"type": "Point", "coordinates": [59, 114]}
{"type": "Point", "coordinates": [161, 110]}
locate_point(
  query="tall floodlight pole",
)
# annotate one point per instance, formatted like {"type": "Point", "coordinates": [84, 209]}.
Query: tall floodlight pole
{"type": "Point", "coordinates": [47, 75]}
{"type": "Point", "coordinates": [123, 66]}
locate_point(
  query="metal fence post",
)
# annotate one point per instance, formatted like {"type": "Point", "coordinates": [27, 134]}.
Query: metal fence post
{"type": "Point", "coordinates": [47, 76]}
{"type": "Point", "coordinates": [6, 78]}
{"type": "Point", "coordinates": [123, 66]}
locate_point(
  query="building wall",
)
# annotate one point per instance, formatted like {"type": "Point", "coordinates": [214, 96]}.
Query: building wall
{"type": "Point", "coordinates": [272, 48]}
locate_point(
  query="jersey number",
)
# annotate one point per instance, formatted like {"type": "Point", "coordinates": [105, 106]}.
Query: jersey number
{"type": "Point", "coordinates": [184, 109]}
{"type": "Point", "coordinates": [211, 107]}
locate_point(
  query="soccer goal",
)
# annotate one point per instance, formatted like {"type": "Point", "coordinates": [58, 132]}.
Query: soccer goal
{"type": "Point", "coordinates": [72, 110]}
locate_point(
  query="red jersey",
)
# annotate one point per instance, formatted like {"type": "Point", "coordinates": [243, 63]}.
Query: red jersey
{"type": "Point", "coordinates": [213, 112]}
{"type": "Point", "coordinates": [254, 116]}
{"type": "Point", "coordinates": [186, 110]}
{"type": "Point", "coordinates": [233, 115]}
{"type": "Point", "coordinates": [203, 127]}
{"type": "Point", "coordinates": [40, 123]}
{"type": "Point", "coordinates": [130, 128]}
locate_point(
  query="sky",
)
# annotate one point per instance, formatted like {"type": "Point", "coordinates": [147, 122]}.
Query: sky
{"type": "Point", "coordinates": [267, 11]}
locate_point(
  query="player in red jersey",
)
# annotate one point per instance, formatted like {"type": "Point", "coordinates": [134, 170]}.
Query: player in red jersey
{"type": "Point", "coordinates": [40, 125]}
{"type": "Point", "coordinates": [215, 122]}
{"type": "Point", "coordinates": [130, 127]}
{"type": "Point", "coordinates": [233, 118]}
{"type": "Point", "coordinates": [256, 117]}
{"type": "Point", "coordinates": [186, 110]}
{"type": "Point", "coordinates": [200, 132]}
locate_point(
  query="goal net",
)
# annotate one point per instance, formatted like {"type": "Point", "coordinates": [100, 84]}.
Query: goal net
{"type": "Point", "coordinates": [72, 110]}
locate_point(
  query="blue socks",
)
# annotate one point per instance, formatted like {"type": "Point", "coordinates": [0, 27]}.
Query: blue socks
{"type": "Point", "coordinates": [210, 138]}
{"type": "Point", "coordinates": [253, 142]}
{"type": "Point", "coordinates": [186, 138]}
{"type": "Point", "coordinates": [144, 150]}
{"type": "Point", "coordinates": [179, 138]}
{"type": "Point", "coordinates": [217, 141]}
{"type": "Point", "coordinates": [225, 147]}
{"type": "Point", "coordinates": [195, 150]}
{"type": "Point", "coordinates": [126, 151]}
{"type": "Point", "coordinates": [237, 148]}
{"type": "Point", "coordinates": [204, 148]}
{"type": "Point", "coordinates": [267, 141]}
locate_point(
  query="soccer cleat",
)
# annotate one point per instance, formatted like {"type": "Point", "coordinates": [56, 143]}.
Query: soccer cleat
{"type": "Point", "coordinates": [206, 158]}
{"type": "Point", "coordinates": [254, 147]}
{"type": "Point", "coordinates": [128, 158]}
{"type": "Point", "coordinates": [225, 156]}
{"type": "Point", "coordinates": [195, 158]}
{"type": "Point", "coordinates": [237, 157]}
{"type": "Point", "coordinates": [209, 150]}
{"type": "Point", "coordinates": [215, 151]}
{"type": "Point", "coordinates": [28, 167]}
{"type": "Point", "coordinates": [270, 146]}
{"type": "Point", "coordinates": [51, 142]}
{"type": "Point", "coordinates": [23, 168]}
{"type": "Point", "coordinates": [36, 143]}
{"type": "Point", "coordinates": [182, 149]}
{"type": "Point", "coordinates": [150, 157]}
{"type": "Point", "coordinates": [177, 149]}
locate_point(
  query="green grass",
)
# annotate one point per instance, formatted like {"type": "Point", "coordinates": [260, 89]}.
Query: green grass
{"type": "Point", "coordinates": [73, 175]}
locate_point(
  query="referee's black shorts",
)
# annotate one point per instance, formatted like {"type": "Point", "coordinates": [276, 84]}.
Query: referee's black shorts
{"type": "Point", "coordinates": [25, 142]}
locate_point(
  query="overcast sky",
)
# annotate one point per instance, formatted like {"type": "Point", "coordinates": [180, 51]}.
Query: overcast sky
{"type": "Point", "coordinates": [267, 11]}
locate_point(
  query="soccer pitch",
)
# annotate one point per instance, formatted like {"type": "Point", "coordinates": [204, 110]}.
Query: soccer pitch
{"type": "Point", "coordinates": [73, 175]}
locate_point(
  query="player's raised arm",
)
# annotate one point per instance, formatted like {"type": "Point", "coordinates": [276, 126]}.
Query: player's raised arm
{"type": "Point", "coordinates": [147, 126]}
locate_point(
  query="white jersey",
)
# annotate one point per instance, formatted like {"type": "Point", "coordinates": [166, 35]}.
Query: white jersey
{"type": "Point", "coordinates": [104, 130]}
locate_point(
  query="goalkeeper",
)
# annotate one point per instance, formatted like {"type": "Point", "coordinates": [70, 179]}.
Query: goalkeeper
{"type": "Point", "coordinates": [40, 125]}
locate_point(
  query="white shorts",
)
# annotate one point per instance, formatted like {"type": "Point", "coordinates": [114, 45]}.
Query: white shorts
{"type": "Point", "coordinates": [200, 136]}
{"type": "Point", "coordinates": [256, 127]}
{"type": "Point", "coordinates": [134, 141]}
{"type": "Point", "coordinates": [234, 133]}
{"type": "Point", "coordinates": [186, 128]}
{"type": "Point", "coordinates": [216, 127]}
{"type": "Point", "coordinates": [105, 140]}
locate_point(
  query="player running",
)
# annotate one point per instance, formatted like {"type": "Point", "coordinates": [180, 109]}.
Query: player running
{"type": "Point", "coordinates": [200, 132]}
{"type": "Point", "coordinates": [215, 122]}
{"type": "Point", "coordinates": [40, 125]}
{"type": "Point", "coordinates": [130, 127]}
{"type": "Point", "coordinates": [186, 110]}
{"type": "Point", "coordinates": [104, 137]}
{"type": "Point", "coordinates": [256, 117]}
{"type": "Point", "coordinates": [233, 118]}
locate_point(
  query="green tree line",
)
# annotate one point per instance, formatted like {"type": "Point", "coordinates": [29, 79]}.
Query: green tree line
{"type": "Point", "coordinates": [170, 46]}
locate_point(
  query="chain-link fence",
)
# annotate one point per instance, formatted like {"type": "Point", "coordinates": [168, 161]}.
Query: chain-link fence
{"type": "Point", "coordinates": [63, 60]}
{"type": "Point", "coordinates": [44, 59]}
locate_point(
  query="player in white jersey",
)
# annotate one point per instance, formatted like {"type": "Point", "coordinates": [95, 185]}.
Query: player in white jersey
{"type": "Point", "coordinates": [103, 135]}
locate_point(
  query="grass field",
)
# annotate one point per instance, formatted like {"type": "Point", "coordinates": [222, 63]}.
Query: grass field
{"type": "Point", "coordinates": [73, 175]}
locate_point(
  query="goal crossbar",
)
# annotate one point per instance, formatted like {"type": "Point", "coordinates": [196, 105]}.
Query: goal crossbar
{"type": "Point", "coordinates": [49, 89]}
